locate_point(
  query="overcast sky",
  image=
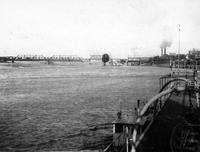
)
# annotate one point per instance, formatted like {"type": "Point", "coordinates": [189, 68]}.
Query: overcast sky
{"type": "Point", "coordinates": [120, 28]}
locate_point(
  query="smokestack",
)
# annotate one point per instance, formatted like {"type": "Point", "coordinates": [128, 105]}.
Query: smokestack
{"type": "Point", "coordinates": [165, 43]}
{"type": "Point", "coordinates": [164, 51]}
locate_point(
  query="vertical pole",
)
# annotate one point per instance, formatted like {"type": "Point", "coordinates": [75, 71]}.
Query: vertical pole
{"type": "Point", "coordinates": [196, 66]}
{"type": "Point", "coordinates": [178, 49]}
{"type": "Point", "coordinates": [138, 107]}
{"type": "Point", "coordinates": [127, 139]}
{"type": "Point", "coordinates": [133, 149]}
{"type": "Point", "coordinates": [196, 85]}
{"type": "Point", "coordinates": [197, 98]}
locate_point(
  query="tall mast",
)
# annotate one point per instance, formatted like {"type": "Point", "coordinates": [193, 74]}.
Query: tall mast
{"type": "Point", "coordinates": [178, 48]}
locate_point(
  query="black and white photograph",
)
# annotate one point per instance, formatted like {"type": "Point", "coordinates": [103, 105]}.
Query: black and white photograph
{"type": "Point", "coordinates": [99, 76]}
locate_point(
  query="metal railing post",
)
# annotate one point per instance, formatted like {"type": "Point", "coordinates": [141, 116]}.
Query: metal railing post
{"type": "Point", "coordinates": [127, 139]}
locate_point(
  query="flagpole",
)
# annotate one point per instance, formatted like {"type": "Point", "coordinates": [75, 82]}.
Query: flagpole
{"type": "Point", "coordinates": [178, 49]}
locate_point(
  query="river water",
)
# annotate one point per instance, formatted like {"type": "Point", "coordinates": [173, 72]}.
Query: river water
{"type": "Point", "coordinates": [70, 107]}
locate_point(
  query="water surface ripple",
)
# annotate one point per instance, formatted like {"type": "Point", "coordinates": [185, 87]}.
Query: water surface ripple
{"type": "Point", "coordinates": [52, 108]}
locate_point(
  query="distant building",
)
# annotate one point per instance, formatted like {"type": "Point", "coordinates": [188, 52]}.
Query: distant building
{"type": "Point", "coordinates": [6, 58]}
{"type": "Point", "coordinates": [172, 54]}
{"type": "Point", "coordinates": [194, 54]}
{"type": "Point", "coordinates": [193, 51]}
{"type": "Point", "coordinates": [116, 62]}
{"type": "Point", "coordinates": [137, 60]}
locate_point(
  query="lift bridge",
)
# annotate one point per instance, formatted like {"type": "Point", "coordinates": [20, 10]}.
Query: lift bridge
{"type": "Point", "coordinates": [66, 58]}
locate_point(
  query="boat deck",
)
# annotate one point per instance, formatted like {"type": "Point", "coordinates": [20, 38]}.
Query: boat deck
{"type": "Point", "coordinates": [157, 138]}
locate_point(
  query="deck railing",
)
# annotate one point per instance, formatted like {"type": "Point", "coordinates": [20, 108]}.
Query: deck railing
{"type": "Point", "coordinates": [168, 84]}
{"type": "Point", "coordinates": [112, 147]}
{"type": "Point", "coordinates": [176, 81]}
{"type": "Point", "coordinates": [173, 82]}
{"type": "Point", "coordinates": [135, 141]}
{"type": "Point", "coordinates": [158, 101]}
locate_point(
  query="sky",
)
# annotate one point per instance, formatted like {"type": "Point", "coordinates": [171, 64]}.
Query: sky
{"type": "Point", "coordinates": [120, 28]}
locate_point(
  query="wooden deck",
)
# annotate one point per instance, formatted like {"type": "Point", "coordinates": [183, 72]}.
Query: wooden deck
{"type": "Point", "coordinates": [174, 111]}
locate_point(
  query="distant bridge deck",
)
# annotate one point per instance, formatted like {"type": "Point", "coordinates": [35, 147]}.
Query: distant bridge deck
{"type": "Point", "coordinates": [66, 58]}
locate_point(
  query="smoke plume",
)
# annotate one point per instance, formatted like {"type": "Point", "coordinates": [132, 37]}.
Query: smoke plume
{"type": "Point", "coordinates": [166, 43]}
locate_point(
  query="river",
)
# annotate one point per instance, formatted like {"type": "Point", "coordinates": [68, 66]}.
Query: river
{"type": "Point", "coordinates": [70, 107]}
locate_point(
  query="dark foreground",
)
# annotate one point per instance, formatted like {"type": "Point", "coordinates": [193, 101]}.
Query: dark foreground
{"type": "Point", "coordinates": [174, 111]}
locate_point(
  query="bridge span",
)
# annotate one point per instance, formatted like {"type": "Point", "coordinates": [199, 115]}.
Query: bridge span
{"type": "Point", "coordinates": [54, 58]}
